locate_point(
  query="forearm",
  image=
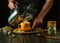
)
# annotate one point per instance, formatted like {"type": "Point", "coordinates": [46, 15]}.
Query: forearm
{"type": "Point", "coordinates": [10, 0]}
{"type": "Point", "coordinates": [46, 7]}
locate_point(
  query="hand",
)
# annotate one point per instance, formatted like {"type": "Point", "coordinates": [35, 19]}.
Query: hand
{"type": "Point", "coordinates": [37, 21]}
{"type": "Point", "coordinates": [11, 5]}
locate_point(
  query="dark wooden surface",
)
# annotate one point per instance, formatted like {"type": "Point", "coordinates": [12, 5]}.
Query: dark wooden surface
{"type": "Point", "coordinates": [28, 38]}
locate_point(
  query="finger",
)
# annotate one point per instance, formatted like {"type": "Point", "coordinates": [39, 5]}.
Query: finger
{"type": "Point", "coordinates": [34, 25]}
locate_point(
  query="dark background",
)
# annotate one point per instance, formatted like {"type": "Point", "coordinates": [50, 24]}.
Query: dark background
{"type": "Point", "coordinates": [53, 14]}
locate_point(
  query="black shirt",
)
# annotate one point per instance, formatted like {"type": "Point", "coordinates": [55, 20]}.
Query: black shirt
{"type": "Point", "coordinates": [29, 9]}
{"type": "Point", "coordinates": [31, 6]}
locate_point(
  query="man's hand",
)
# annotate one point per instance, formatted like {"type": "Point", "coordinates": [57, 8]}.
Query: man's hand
{"type": "Point", "coordinates": [11, 5]}
{"type": "Point", "coordinates": [45, 9]}
{"type": "Point", "coordinates": [37, 21]}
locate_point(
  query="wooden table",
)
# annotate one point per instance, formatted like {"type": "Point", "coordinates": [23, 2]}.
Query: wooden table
{"type": "Point", "coordinates": [28, 37]}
